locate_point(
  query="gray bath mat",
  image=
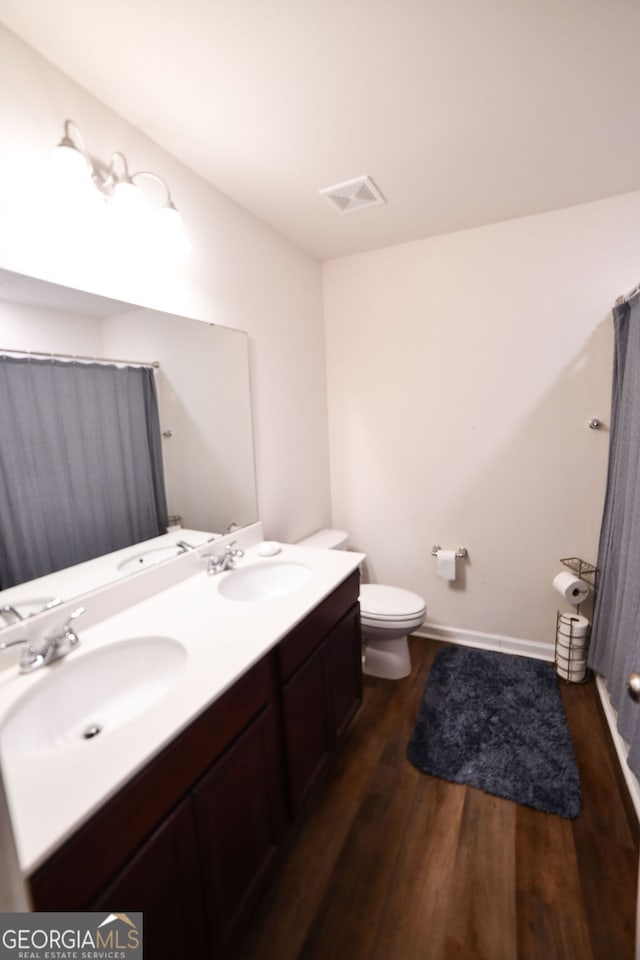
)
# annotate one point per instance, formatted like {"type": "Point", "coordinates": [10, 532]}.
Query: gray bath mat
{"type": "Point", "coordinates": [496, 722]}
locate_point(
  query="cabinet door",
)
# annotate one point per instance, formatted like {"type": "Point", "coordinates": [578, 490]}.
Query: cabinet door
{"type": "Point", "coordinates": [162, 882]}
{"type": "Point", "coordinates": [346, 670]}
{"type": "Point", "coordinates": [309, 737]}
{"type": "Point", "coordinates": [240, 821]}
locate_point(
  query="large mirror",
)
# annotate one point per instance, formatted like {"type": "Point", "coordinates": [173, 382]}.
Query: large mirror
{"type": "Point", "coordinates": [202, 379]}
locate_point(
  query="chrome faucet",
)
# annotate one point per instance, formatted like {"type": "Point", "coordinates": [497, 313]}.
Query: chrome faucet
{"type": "Point", "coordinates": [224, 561]}
{"type": "Point", "coordinates": [184, 546]}
{"type": "Point", "coordinates": [30, 658]}
{"type": "Point", "coordinates": [7, 608]}
{"type": "Point", "coordinates": [60, 644]}
{"type": "Point", "coordinates": [52, 648]}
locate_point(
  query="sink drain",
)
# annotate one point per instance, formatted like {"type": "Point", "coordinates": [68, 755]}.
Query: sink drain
{"type": "Point", "coordinates": [92, 731]}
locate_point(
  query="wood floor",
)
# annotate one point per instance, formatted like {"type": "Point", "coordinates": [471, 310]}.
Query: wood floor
{"type": "Point", "coordinates": [394, 864]}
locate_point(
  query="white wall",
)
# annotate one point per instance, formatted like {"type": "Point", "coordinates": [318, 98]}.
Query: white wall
{"type": "Point", "coordinates": [462, 371]}
{"type": "Point", "coordinates": [30, 327]}
{"type": "Point", "coordinates": [240, 274]}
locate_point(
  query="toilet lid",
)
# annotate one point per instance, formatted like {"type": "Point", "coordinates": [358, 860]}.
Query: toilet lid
{"type": "Point", "coordinates": [389, 603]}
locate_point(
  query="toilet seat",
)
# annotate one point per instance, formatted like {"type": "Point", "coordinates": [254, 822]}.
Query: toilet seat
{"type": "Point", "coordinates": [388, 615]}
{"type": "Point", "coordinates": [380, 604]}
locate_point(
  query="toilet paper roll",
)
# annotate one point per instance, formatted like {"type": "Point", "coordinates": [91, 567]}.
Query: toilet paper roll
{"type": "Point", "coordinates": [574, 676]}
{"type": "Point", "coordinates": [570, 643]}
{"type": "Point", "coordinates": [446, 564]}
{"type": "Point", "coordinates": [573, 664]}
{"type": "Point", "coordinates": [572, 625]}
{"type": "Point", "coordinates": [572, 588]}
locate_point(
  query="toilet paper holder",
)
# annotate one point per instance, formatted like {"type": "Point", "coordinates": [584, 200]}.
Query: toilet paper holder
{"type": "Point", "coordinates": [462, 552]}
{"type": "Point", "coordinates": [586, 571]}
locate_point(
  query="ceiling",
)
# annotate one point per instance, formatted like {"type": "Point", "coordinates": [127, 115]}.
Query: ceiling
{"type": "Point", "coordinates": [464, 112]}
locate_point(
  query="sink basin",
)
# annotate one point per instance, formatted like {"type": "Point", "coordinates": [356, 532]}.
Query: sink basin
{"type": "Point", "coordinates": [264, 581]}
{"type": "Point", "coordinates": [79, 699]}
{"type": "Point", "coordinates": [150, 557]}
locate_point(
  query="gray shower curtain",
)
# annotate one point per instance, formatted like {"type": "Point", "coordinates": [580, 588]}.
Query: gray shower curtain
{"type": "Point", "coordinates": [615, 645]}
{"type": "Point", "coordinates": [80, 463]}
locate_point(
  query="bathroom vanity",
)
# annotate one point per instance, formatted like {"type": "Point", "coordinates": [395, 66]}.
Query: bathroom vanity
{"type": "Point", "coordinates": [190, 830]}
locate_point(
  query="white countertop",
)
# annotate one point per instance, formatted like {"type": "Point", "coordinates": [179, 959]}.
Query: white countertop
{"type": "Point", "coordinates": [51, 792]}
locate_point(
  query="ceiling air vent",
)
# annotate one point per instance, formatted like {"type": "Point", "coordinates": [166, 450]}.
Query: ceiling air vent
{"type": "Point", "coordinates": [353, 195]}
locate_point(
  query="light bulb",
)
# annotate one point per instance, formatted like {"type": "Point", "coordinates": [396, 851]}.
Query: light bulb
{"type": "Point", "coordinates": [127, 198]}
{"type": "Point", "coordinates": [73, 193]}
{"type": "Point", "coordinates": [69, 161]}
{"type": "Point", "coordinates": [71, 169]}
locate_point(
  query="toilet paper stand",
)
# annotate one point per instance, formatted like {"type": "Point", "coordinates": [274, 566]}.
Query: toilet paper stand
{"type": "Point", "coordinates": [571, 648]}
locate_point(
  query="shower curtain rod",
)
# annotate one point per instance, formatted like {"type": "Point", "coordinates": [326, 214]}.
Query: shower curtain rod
{"type": "Point", "coordinates": [624, 298]}
{"type": "Point", "coordinates": [75, 356]}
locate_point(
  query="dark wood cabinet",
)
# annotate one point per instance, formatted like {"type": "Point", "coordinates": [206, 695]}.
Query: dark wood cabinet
{"type": "Point", "coordinates": [240, 823]}
{"type": "Point", "coordinates": [162, 882]}
{"type": "Point", "coordinates": [195, 879]}
{"type": "Point", "coordinates": [319, 700]}
{"type": "Point", "coordinates": [345, 651]}
{"type": "Point", "coordinates": [307, 726]}
{"type": "Point", "coordinates": [190, 840]}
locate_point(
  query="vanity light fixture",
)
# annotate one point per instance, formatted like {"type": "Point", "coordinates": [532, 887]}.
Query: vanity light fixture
{"type": "Point", "coordinates": [120, 188]}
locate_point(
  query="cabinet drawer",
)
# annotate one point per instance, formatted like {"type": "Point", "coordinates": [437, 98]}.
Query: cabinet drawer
{"type": "Point", "coordinates": [303, 639]}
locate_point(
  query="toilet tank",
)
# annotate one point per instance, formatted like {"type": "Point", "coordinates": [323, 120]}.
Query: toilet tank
{"type": "Point", "coordinates": [326, 540]}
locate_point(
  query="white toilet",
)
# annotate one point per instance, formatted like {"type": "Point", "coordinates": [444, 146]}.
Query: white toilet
{"type": "Point", "coordinates": [388, 615]}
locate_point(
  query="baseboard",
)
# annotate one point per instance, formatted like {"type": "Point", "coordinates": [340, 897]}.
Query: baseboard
{"type": "Point", "coordinates": [619, 743]}
{"type": "Point", "coordinates": [488, 641]}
